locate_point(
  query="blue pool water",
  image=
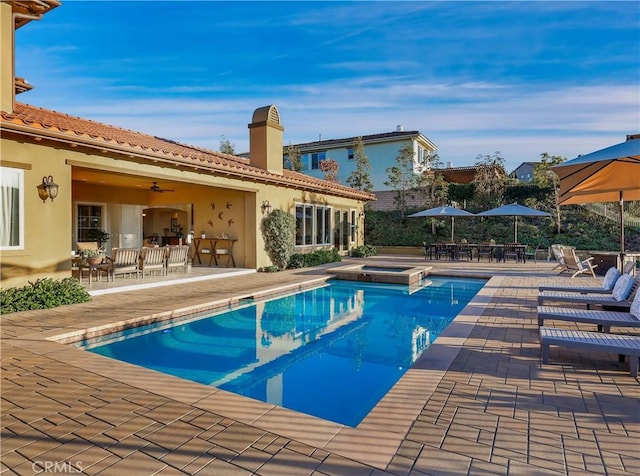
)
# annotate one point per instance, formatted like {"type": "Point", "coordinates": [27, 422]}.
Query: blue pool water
{"type": "Point", "coordinates": [332, 352]}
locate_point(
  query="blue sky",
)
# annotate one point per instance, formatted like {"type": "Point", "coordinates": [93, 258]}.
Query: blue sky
{"type": "Point", "coordinates": [521, 78]}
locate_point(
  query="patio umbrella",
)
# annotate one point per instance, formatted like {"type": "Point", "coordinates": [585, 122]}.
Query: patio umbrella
{"type": "Point", "coordinates": [443, 211]}
{"type": "Point", "coordinates": [611, 174]}
{"type": "Point", "coordinates": [513, 210]}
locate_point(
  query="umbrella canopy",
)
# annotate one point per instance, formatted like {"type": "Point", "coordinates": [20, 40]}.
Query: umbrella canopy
{"type": "Point", "coordinates": [601, 176]}
{"type": "Point", "coordinates": [611, 174]}
{"type": "Point", "coordinates": [443, 211]}
{"type": "Point", "coordinates": [513, 210]}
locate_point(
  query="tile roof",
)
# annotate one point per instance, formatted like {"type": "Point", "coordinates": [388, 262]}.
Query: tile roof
{"type": "Point", "coordinates": [366, 138]}
{"type": "Point", "coordinates": [39, 122]}
{"type": "Point", "coordinates": [459, 175]}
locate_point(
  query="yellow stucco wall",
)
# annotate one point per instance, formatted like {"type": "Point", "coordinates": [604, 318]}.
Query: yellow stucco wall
{"type": "Point", "coordinates": [49, 226]}
{"type": "Point", "coordinates": [6, 60]}
{"type": "Point", "coordinates": [47, 241]}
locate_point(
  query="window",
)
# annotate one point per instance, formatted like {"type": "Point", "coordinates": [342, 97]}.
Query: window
{"type": "Point", "coordinates": [350, 155]}
{"type": "Point", "coordinates": [90, 217]}
{"type": "Point", "coordinates": [12, 206]}
{"type": "Point", "coordinates": [323, 225]}
{"type": "Point", "coordinates": [354, 226]}
{"type": "Point", "coordinates": [312, 161]}
{"type": "Point", "coordinates": [313, 225]}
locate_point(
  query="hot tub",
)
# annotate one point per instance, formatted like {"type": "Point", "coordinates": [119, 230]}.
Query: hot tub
{"type": "Point", "coordinates": [381, 274]}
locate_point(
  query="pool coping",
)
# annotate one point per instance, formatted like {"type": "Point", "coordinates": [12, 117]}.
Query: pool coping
{"type": "Point", "coordinates": [386, 424]}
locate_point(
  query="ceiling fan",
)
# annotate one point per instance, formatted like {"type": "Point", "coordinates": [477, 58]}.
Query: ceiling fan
{"type": "Point", "coordinates": [156, 188]}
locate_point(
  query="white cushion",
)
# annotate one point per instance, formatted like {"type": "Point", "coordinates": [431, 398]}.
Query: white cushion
{"type": "Point", "coordinates": [635, 306]}
{"type": "Point", "coordinates": [610, 278]}
{"type": "Point", "coordinates": [622, 288]}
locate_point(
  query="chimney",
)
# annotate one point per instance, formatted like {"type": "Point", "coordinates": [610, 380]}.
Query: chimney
{"type": "Point", "coordinates": [7, 89]}
{"type": "Point", "coordinates": [399, 128]}
{"type": "Point", "coordinates": [265, 139]}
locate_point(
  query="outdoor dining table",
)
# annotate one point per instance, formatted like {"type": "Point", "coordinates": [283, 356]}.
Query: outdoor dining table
{"type": "Point", "coordinates": [451, 251]}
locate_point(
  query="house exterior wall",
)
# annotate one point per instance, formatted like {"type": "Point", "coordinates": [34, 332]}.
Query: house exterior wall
{"type": "Point", "coordinates": [381, 156]}
{"type": "Point", "coordinates": [6, 60]}
{"type": "Point", "coordinates": [50, 227]}
{"type": "Point", "coordinates": [47, 241]}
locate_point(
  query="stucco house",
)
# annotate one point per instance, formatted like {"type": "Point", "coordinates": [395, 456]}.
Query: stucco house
{"type": "Point", "coordinates": [137, 186]}
{"type": "Point", "coordinates": [381, 150]}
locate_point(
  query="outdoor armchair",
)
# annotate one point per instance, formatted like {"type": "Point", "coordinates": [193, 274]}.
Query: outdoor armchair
{"type": "Point", "coordinates": [177, 258]}
{"type": "Point", "coordinates": [125, 261]}
{"type": "Point", "coordinates": [575, 265]}
{"type": "Point", "coordinates": [153, 259]}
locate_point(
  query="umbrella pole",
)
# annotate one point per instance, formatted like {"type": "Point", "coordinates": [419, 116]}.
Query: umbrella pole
{"type": "Point", "coordinates": [621, 231]}
{"type": "Point", "coordinates": [452, 225]}
{"type": "Point", "coordinates": [515, 229]}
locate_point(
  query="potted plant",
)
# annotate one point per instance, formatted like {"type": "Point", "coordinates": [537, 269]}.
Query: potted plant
{"type": "Point", "coordinates": [93, 257]}
{"type": "Point", "coordinates": [100, 236]}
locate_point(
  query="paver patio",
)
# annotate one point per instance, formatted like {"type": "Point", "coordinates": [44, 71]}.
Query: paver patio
{"type": "Point", "coordinates": [494, 409]}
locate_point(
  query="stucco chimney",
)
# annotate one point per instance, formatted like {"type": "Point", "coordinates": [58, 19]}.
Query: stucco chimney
{"type": "Point", "coordinates": [265, 139]}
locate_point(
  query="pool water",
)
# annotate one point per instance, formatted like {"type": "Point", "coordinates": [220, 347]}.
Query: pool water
{"type": "Point", "coordinates": [332, 352]}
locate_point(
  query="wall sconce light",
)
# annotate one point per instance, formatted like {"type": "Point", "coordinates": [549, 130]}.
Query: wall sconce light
{"type": "Point", "coordinates": [266, 207]}
{"type": "Point", "coordinates": [47, 189]}
{"type": "Point", "coordinates": [361, 215]}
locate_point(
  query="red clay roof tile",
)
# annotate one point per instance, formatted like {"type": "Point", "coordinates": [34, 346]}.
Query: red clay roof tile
{"type": "Point", "coordinates": [40, 121]}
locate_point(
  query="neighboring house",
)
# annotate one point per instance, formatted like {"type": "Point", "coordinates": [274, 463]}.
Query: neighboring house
{"type": "Point", "coordinates": [139, 187]}
{"type": "Point", "coordinates": [461, 175]}
{"type": "Point", "coordinates": [524, 171]}
{"type": "Point", "coordinates": [381, 150]}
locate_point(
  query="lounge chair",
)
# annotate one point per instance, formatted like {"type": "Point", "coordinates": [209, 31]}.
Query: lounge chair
{"type": "Point", "coordinates": [621, 296]}
{"type": "Point", "coordinates": [153, 259]}
{"type": "Point", "coordinates": [575, 264]}
{"type": "Point", "coordinates": [603, 319]}
{"type": "Point", "coordinates": [556, 251]}
{"type": "Point", "coordinates": [608, 283]}
{"type": "Point", "coordinates": [591, 341]}
{"type": "Point", "coordinates": [177, 258]}
{"type": "Point", "coordinates": [125, 261]}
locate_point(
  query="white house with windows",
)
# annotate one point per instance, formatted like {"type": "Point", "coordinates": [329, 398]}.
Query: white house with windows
{"type": "Point", "coordinates": [381, 150]}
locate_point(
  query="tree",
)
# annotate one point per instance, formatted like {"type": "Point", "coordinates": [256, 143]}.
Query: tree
{"type": "Point", "coordinates": [402, 178]}
{"type": "Point", "coordinates": [294, 158]}
{"type": "Point", "coordinates": [226, 146]}
{"type": "Point", "coordinates": [543, 176]}
{"type": "Point", "coordinates": [431, 184]}
{"type": "Point", "coordinates": [330, 169]}
{"type": "Point", "coordinates": [360, 178]}
{"type": "Point", "coordinates": [490, 180]}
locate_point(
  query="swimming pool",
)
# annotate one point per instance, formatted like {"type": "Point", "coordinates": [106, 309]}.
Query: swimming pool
{"type": "Point", "coordinates": [332, 352]}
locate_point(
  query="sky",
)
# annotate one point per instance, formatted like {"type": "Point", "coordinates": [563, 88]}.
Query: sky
{"type": "Point", "coordinates": [518, 78]}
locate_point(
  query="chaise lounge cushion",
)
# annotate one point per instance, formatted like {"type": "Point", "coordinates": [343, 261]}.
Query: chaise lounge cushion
{"type": "Point", "coordinates": [622, 288]}
{"type": "Point", "coordinates": [610, 278]}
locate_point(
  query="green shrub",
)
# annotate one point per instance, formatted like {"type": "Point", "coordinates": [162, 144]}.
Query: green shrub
{"type": "Point", "coordinates": [315, 258]}
{"type": "Point", "coordinates": [43, 294]}
{"type": "Point", "coordinates": [278, 231]}
{"type": "Point", "coordinates": [363, 251]}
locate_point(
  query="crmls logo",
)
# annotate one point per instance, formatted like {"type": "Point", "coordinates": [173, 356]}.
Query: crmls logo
{"type": "Point", "coordinates": [40, 467]}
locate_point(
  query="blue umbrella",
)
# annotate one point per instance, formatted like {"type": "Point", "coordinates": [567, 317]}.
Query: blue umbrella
{"type": "Point", "coordinates": [513, 210]}
{"type": "Point", "coordinates": [443, 211]}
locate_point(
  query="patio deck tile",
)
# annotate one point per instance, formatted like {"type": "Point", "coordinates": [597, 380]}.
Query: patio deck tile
{"type": "Point", "coordinates": [494, 409]}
